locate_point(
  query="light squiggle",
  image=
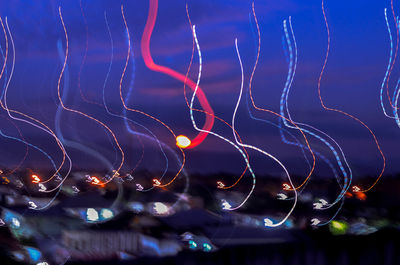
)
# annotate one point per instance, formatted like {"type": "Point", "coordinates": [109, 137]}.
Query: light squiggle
{"type": "Point", "coordinates": [395, 55]}
{"type": "Point", "coordinates": [215, 134]}
{"type": "Point", "coordinates": [272, 112]}
{"type": "Point", "coordinates": [19, 131]}
{"type": "Point", "coordinates": [18, 166]}
{"type": "Point", "coordinates": [282, 130]}
{"type": "Point", "coordinates": [116, 172]}
{"type": "Point", "coordinates": [389, 67]}
{"type": "Point", "coordinates": [41, 125]}
{"type": "Point", "coordinates": [342, 112]}
{"type": "Point", "coordinates": [78, 145]}
{"type": "Point", "coordinates": [84, 57]}
{"type": "Point", "coordinates": [141, 112]}
{"type": "Point", "coordinates": [126, 120]}
{"type": "Point", "coordinates": [284, 102]}
{"type": "Point", "coordinates": [258, 149]}
{"type": "Point", "coordinates": [145, 47]}
{"type": "Point", "coordinates": [219, 183]}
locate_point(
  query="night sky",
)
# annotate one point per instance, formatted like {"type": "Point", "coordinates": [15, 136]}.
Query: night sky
{"type": "Point", "coordinates": [356, 66]}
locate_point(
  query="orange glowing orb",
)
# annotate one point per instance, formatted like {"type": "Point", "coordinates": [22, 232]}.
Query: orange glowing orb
{"type": "Point", "coordinates": [182, 141]}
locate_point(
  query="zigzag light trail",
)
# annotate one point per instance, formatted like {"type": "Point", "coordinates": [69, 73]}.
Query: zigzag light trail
{"type": "Point", "coordinates": [41, 125]}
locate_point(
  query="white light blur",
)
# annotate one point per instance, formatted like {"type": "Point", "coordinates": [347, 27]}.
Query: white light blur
{"type": "Point", "coordinates": [160, 208]}
{"type": "Point", "coordinates": [15, 222]}
{"type": "Point", "coordinates": [106, 213]}
{"type": "Point", "coordinates": [226, 205]}
{"type": "Point", "coordinates": [92, 215]}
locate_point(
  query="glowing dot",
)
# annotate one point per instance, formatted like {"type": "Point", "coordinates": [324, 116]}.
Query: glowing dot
{"type": "Point", "coordinates": [136, 207]}
{"type": "Point", "coordinates": [338, 227]}
{"type": "Point", "coordinates": [268, 222]}
{"type": "Point", "coordinates": [361, 196]}
{"type": "Point", "coordinates": [42, 187]}
{"type": "Point", "coordinates": [282, 196]}
{"type": "Point", "coordinates": [156, 182]}
{"type": "Point", "coordinates": [19, 183]}
{"type": "Point", "coordinates": [192, 244]}
{"type": "Point", "coordinates": [33, 253]}
{"type": "Point", "coordinates": [315, 221]}
{"type": "Point", "coordinates": [88, 178]}
{"type": "Point", "coordinates": [182, 141]}
{"type": "Point", "coordinates": [75, 189]}
{"type": "Point", "coordinates": [207, 247]}
{"type": "Point", "coordinates": [225, 205]}
{"type": "Point", "coordinates": [6, 180]}
{"type": "Point", "coordinates": [323, 202]}
{"type": "Point", "coordinates": [187, 236]}
{"type": "Point", "coordinates": [160, 208]}
{"type": "Point", "coordinates": [317, 205]}
{"type": "Point", "coordinates": [106, 213]}
{"type": "Point", "coordinates": [92, 215]}
{"type": "Point", "coordinates": [35, 178]}
{"type": "Point", "coordinates": [95, 181]}
{"type": "Point", "coordinates": [18, 255]}
{"type": "Point", "coordinates": [32, 205]}
{"type": "Point", "coordinates": [15, 222]}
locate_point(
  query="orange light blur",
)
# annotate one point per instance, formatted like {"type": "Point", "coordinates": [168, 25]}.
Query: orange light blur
{"type": "Point", "coordinates": [348, 195]}
{"type": "Point", "coordinates": [6, 180]}
{"type": "Point", "coordinates": [220, 184]}
{"type": "Point", "coordinates": [35, 178]}
{"type": "Point", "coordinates": [156, 182]}
{"type": "Point", "coordinates": [95, 181]}
{"type": "Point", "coordinates": [361, 196]}
{"type": "Point", "coordinates": [182, 141]}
